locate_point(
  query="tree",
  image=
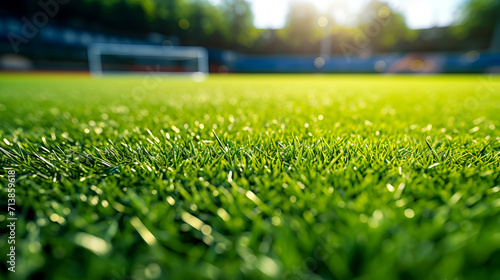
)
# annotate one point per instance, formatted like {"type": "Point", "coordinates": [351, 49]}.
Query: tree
{"type": "Point", "coordinates": [384, 29]}
{"type": "Point", "coordinates": [480, 25]}
{"type": "Point", "coordinates": [301, 33]}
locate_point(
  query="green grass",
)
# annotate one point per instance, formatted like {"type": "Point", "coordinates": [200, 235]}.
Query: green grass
{"type": "Point", "coordinates": [305, 177]}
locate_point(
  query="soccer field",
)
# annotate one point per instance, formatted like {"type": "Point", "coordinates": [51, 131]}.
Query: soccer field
{"type": "Point", "coordinates": [252, 176]}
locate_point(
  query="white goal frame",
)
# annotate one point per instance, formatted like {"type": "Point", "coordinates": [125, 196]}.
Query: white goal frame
{"type": "Point", "coordinates": [95, 51]}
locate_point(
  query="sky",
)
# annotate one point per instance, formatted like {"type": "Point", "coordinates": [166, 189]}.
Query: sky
{"type": "Point", "coordinates": [419, 14]}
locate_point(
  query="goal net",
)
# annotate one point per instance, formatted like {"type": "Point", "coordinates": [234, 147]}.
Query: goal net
{"type": "Point", "coordinates": [147, 60]}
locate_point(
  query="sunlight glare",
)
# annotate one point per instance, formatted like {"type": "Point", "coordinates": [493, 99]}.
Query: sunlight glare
{"type": "Point", "coordinates": [272, 14]}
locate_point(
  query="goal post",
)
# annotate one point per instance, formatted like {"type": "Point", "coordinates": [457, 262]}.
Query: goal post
{"type": "Point", "coordinates": [106, 58]}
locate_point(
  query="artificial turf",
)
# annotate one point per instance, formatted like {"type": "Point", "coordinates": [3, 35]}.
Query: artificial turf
{"type": "Point", "coordinates": [253, 176]}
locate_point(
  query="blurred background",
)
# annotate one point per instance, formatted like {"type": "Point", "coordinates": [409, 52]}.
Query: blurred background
{"type": "Point", "coordinates": [257, 36]}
